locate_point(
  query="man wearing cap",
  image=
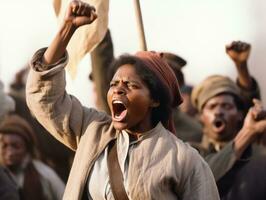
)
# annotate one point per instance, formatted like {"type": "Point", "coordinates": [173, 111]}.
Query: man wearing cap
{"type": "Point", "coordinates": [244, 90]}
{"type": "Point", "coordinates": [227, 141]}
{"type": "Point", "coordinates": [34, 179]}
{"type": "Point", "coordinates": [8, 189]}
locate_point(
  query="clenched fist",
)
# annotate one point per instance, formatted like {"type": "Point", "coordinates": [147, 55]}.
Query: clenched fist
{"type": "Point", "coordinates": [79, 13]}
{"type": "Point", "coordinates": [238, 51]}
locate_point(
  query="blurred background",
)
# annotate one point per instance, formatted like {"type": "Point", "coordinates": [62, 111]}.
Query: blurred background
{"type": "Point", "coordinates": [196, 30]}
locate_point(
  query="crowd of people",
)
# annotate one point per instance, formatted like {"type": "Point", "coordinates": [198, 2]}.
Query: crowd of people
{"type": "Point", "coordinates": [151, 135]}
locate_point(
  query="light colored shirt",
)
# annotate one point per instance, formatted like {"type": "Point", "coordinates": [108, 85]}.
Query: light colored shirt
{"type": "Point", "coordinates": [160, 165]}
{"type": "Point", "coordinates": [53, 187]}
{"type": "Point", "coordinates": [98, 183]}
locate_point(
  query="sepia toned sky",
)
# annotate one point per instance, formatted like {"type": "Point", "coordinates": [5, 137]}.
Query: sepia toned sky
{"type": "Point", "coordinates": [196, 30]}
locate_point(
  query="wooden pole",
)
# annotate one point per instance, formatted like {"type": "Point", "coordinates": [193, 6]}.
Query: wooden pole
{"type": "Point", "coordinates": [140, 26]}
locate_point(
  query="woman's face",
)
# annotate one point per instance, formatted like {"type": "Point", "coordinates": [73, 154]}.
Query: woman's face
{"type": "Point", "coordinates": [13, 150]}
{"type": "Point", "coordinates": [129, 101]}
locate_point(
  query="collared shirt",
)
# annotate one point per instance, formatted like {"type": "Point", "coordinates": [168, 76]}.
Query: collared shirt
{"type": "Point", "coordinates": [98, 183]}
{"type": "Point", "coordinates": [53, 187]}
{"type": "Point", "coordinates": [211, 144]}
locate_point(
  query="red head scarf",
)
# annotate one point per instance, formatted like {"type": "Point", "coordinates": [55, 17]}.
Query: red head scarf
{"type": "Point", "coordinates": [163, 71]}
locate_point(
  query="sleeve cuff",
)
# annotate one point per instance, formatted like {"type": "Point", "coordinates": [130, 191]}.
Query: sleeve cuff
{"type": "Point", "coordinates": [37, 61]}
{"type": "Point", "coordinates": [254, 92]}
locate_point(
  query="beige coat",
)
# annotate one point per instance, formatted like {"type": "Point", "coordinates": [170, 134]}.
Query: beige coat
{"type": "Point", "coordinates": [160, 167]}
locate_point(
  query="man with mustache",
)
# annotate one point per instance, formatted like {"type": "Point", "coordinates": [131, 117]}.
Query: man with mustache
{"type": "Point", "coordinates": [240, 173]}
{"type": "Point", "coordinates": [8, 188]}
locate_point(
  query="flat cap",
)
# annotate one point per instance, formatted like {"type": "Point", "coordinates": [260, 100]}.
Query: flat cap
{"type": "Point", "coordinates": [211, 87]}
{"type": "Point", "coordinates": [14, 124]}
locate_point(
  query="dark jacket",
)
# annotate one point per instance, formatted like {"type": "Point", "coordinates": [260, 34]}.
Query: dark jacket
{"type": "Point", "coordinates": [8, 188]}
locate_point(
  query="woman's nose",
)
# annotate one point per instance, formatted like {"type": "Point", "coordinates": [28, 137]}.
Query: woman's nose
{"type": "Point", "coordinates": [119, 90]}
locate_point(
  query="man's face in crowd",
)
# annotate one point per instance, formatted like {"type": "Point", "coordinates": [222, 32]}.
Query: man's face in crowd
{"type": "Point", "coordinates": [220, 118]}
{"type": "Point", "coordinates": [13, 150]}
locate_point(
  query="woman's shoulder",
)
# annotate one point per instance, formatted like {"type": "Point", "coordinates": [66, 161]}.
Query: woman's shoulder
{"type": "Point", "coordinates": [166, 140]}
{"type": "Point", "coordinates": [183, 149]}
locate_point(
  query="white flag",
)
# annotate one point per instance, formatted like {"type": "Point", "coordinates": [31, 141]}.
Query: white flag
{"type": "Point", "coordinates": [86, 37]}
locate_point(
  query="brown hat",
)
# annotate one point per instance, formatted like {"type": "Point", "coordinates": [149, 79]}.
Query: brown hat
{"type": "Point", "coordinates": [174, 60]}
{"type": "Point", "coordinates": [212, 86]}
{"type": "Point", "coordinates": [14, 124]}
{"type": "Point", "coordinates": [163, 71]}
{"type": "Point", "coordinates": [176, 63]}
{"type": "Point", "coordinates": [155, 62]}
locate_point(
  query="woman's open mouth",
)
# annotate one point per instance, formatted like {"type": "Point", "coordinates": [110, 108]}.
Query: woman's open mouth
{"type": "Point", "coordinates": [119, 111]}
